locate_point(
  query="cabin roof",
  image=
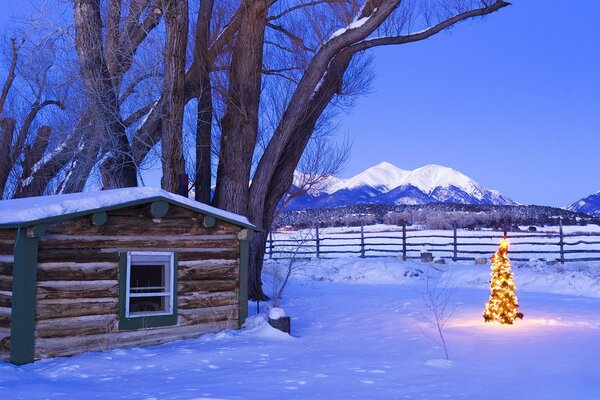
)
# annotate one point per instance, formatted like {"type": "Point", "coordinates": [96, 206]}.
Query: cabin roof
{"type": "Point", "coordinates": [43, 209]}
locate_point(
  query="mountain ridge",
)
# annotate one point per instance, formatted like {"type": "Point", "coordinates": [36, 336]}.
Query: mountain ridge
{"type": "Point", "coordinates": [385, 183]}
{"type": "Point", "coordinates": [588, 205]}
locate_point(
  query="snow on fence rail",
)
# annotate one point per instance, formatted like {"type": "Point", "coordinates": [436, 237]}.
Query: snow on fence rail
{"type": "Point", "coordinates": [455, 245]}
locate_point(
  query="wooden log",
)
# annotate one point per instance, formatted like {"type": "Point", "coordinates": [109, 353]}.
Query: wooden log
{"type": "Point", "coordinates": [77, 289]}
{"type": "Point", "coordinates": [6, 299]}
{"type": "Point", "coordinates": [127, 242]}
{"type": "Point", "coordinates": [156, 243]}
{"type": "Point", "coordinates": [76, 271]}
{"type": "Point", "coordinates": [230, 254]}
{"type": "Point", "coordinates": [4, 332]}
{"type": "Point", "coordinates": [5, 341]}
{"type": "Point", "coordinates": [5, 283]}
{"type": "Point", "coordinates": [68, 346]}
{"type": "Point", "coordinates": [7, 246]}
{"type": "Point", "coordinates": [206, 299]}
{"type": "Point", "coordinates": [426, 257]}
{"type": "Point", "coordinates": [202, 253]}
{"type": "Point", "coordinates": [47, 255]}
{"type": "Point", "coordinates": [212, 314]}
{"type": "Point", "coordinates": [7, 258]}
{"type": "Point", "coordinates": [282, 323]}
{"type": "Point", "coordinates": [208, 263]}
{"type": "Point", "coordinates": [123, 238]}
{"type": "Point", "coordinates": [6, 268]}
{"type": "Point", "coordinates": [140, 225]}
{"type": "Point", "coordinates": [207, 286]}
{"type": "Point", "coordinates": [5, 317]}
{"type": "Point", "coordinates": [209, 272]}
{"type": "Point", "coordinates": [8, 234]}
{"type": "Point", "coordinates": [64, 308]}
{"type": "Point", "coordinates": [76, 326]}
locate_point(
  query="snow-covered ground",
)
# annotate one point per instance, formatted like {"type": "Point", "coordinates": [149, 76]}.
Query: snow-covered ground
{"type": "Point", "coordinates": [360, 331]}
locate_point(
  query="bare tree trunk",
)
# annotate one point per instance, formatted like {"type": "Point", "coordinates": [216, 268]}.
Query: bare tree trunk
{"type": "Point", "coordinates": [262, 209]}
{"type": "Point", "coordinates": [31, 156]}
{"type": "Point", "coordinates": [121, 170]}
{"type": "Point", "coordinates": [257, 255]}
{"type": "Point", "coordinates": [240, 122]}
{"type": "Point", "coordinates": [7, 128]}
{"type": "Point", "coordinates": [85, 159]}
{"type": "Point", "coordinates": [203, 178]}
{"type": "Point", "coordinates": [173, 164]}
{"type": "Point", "coordinates": [11, 75]}
{"type": "Point", "coordinates": [43, 172]}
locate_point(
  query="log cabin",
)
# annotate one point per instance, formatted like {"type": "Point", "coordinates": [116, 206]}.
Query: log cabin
{"type": "Point", "coordinates": [117, 268]}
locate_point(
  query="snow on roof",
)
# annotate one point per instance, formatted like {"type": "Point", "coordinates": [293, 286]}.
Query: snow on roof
{"type": "Point", "coordinates": [33, 209]}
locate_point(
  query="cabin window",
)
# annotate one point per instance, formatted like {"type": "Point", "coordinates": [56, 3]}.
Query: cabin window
{"type": "Point", "coordinates": [150, 284]}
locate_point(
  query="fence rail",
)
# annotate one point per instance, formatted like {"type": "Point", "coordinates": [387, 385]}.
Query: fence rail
{"type": "Point", "coordinates": [408, 244]}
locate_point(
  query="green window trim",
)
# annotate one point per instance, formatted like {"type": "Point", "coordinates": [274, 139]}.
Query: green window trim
{"type": "Point", "coordinates": [148, 321]}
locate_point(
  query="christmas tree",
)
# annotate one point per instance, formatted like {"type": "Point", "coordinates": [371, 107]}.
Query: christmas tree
{"type": "Point", "coordinates": [502, 305]}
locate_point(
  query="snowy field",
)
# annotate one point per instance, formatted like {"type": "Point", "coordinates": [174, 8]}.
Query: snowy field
{"type": "Point", "coordinates": [386, 240]}
{"type": "Point", "coordinates": [360, 331]}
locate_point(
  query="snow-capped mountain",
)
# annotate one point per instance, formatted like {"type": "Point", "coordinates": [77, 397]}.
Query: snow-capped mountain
{"type": "Point", "coordinates": [387, 184]}
{"type": "Point", "coordinates": [588, 205]}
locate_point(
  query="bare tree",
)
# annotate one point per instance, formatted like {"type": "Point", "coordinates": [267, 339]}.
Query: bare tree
{"type": "Point", "coordinates": [281, 271]}
{"type": "Point", "coordinates": [264, 73]}
{"type": "Point", "coordinates": [173, 164]}
{"type": "Point", "coordinates": [23, 139]}
{"type": "Point", "coordinates": [322, 159]}
{"type": "Point", "coordinates": [437, 297]}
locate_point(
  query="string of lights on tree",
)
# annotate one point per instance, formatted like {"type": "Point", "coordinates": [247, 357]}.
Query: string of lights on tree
{"type": "Point", "coordinates": [503, 305]}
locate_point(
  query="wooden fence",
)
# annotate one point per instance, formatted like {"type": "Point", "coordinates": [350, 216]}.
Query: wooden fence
{"type": "Point", "coordinates": [408, 244]}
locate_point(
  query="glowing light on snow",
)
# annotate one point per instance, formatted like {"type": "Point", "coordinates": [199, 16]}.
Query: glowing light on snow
{"type": "Point", "coordinates": [502, 306]}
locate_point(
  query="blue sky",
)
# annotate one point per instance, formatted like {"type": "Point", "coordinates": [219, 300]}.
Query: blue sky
{"type": "Point", "coordinates": [512, 101]}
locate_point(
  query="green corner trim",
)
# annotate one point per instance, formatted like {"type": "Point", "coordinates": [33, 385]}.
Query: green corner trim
{"type": "Point", "coordinates": [243, 296]}
{"type": "Point", "coordinates": [127, 324]}
{"type": "Point", "coordinates": [24, 289]}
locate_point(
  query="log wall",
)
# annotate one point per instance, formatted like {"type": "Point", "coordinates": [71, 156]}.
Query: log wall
{"type": "Point", "coordinates": [78, 279]}
{"type": "Point", "coordinates": [7, 245]}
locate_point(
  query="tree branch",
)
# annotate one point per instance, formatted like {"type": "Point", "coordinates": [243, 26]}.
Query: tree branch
{"type": "Point", "coordinates": [139, 113]}
{"type": "Point", "coordinates": [131, 87]}
{"type": "Point", "coordinates": [303, 5]}
{"type": "Point", "coordinates": [426, 33]}
{"type": "Point", "coordinates": [11, 73]}
{"type": "Point", "coordinates": [289, 34]}
{"type": "Point", "coordinates": [22, 135]}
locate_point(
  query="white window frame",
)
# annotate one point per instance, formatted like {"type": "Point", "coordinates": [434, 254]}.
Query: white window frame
{"type": "Point", "coordinates": [159, 258]}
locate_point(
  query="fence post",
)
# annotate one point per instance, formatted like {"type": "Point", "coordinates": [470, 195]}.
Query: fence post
{"type": "Point", "coordinates": [270, 244]}
{"type": "Point", "coordinates": [455, 258]}
{"type": "Point", "coordinates": [404, 242]}
{"type": "Point", "coordinates": [318, 243]}
{"type": "Point", "coordinates": [561, 241]}
{"type": "Point", "coordinates": [362, 239]}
